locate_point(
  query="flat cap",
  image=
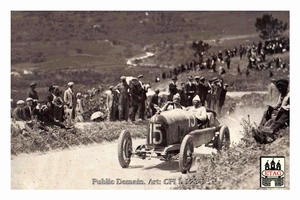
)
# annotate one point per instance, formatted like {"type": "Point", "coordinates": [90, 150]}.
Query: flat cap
{"type": "Point", "coordinates": [29, 99]}
{"type": "Point", "coordinates": [70, 83]}
{"type": "Point", "coordinates": [140, 76]}
{"type": "Point", "coordinates": [20, 102]}
{"type": "Point", "coordinates": [123, 78]}
{"type": "Point", "coordinates": [33, 84]}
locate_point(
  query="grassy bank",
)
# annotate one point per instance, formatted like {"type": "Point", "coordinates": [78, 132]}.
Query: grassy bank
{"type": "Point", "coordinates": [91, 48]}
{"type": "Point", "coordinates": [88, 133]}
{"type": "Point", "coordinates": [239, 166]}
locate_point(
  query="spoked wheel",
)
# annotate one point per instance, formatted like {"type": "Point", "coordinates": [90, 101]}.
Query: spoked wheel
{"type": "Point", "coordinates": [223, 138]}
{"type": "Point", "coordinates": [186, 154]}
{"type": "Point", "coordinates": [124, 148]}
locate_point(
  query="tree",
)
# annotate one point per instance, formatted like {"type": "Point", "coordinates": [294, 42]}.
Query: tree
{"type": "Point", "coordinates": [269, 27]}
{"type": "Point", "coordinates": [200, 48]}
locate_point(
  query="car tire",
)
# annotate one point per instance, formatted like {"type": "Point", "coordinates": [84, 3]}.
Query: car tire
{"type": "Point", "coordinates": [186, 154]}
{"type": "Point", "coordinates": [223, 138]}
{"type": "Point", "coordinates": [124, 148]}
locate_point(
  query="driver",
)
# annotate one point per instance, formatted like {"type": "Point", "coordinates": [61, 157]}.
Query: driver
{"type": "Point", "coordinates": [198, 110]}
{"type": "Point", "coordinates": [173, 104]}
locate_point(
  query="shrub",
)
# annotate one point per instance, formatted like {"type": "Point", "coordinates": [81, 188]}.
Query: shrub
{"type": "Point", "coordinates": [38, 57]}
{"type": "Point", "coordinates": [78, 50]}
{"type": "Point", "coordinates": [234, 168]}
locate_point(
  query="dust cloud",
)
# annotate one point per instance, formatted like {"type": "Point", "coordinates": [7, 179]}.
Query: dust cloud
{"type": "Point", "coordinates": [235, 120]}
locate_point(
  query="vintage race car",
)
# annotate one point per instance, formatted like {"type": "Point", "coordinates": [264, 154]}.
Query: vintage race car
{"type": "Point", "coordinates": [173, 134]}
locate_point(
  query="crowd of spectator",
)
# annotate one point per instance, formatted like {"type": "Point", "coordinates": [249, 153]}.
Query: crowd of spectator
{"type": "Point", "coordinates": [128, 100]}
{"type": "Point", "coordinates": [60, 109]}
{"type": "Point", "coordinates": [255, 53]}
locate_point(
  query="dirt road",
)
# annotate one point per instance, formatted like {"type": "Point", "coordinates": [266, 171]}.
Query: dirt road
{"type": "Point", "coordinates": [97, 167]}
{"type": "Point", "coordinates": [91, 167]}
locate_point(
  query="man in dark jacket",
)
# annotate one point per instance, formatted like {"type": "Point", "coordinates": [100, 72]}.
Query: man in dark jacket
{"type": "Point", "coordinates": [143, 98]}
{"type": "Point", "coordinates": [43, 114]}
{"type": "Point", "coordinates": [18, 113]}
{"type": "Point", "coordinates": [50, 97]}
{"type": "Point", "coordinates": [33, 93]}
{"type": "Point", "coordinates": [204, 88]}
{"type": "Point", "coordinates": [135, 98]}
{"type": "Point", "coordinates": [222, 97]}
{"type": "Point", "coordinates": [27, 109]}
{"type": "Point", "coordinates": [154, 102]}
{"type": "Point", "coordinates": [197, 86]}
{"type": "Point", "coordinates": [190, 91]}
{"type": "Point", "coordinates": [172, 88]}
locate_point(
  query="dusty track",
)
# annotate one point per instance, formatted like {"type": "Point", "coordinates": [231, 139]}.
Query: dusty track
{"type": "Point", "coordinates": [77, 167]}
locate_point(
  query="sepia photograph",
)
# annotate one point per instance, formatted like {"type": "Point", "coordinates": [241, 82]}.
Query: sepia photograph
{"type": "Point", "coordinates": [150, 99]}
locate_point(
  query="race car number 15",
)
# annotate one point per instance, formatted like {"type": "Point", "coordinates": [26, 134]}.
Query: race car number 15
{"type": "Point", "coordinates": [155, 134]}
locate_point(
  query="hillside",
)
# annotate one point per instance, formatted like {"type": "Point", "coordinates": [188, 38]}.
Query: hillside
{"type": "Point", "coordinates": [92, 47]}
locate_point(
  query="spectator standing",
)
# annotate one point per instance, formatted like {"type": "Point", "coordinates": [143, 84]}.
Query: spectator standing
{"type": "Point", "coordinates": [70, 100]}
{"type": "Point", "coordinates": [228, 60]}
{"type": "Point", "coordinates": [58, 110]}
{"type": "Point", "coordinates": [183, 95]}
{"type": "Point", "coordinates": [112, 105]}
{"type": "Point", "coordinates": [213, 93]}
{"type": "Point", "coordinates": [204, 88]}
{"type": "Point", "coordinates": [222, 97]}
{"type": "Point", "coordinates": [79, 109]}
{"type": "Point", "coordinates": [135, 98]}
{"type": "Point", "coordinates": [143, 98]}
{"type": "Point", "coordinates": [154, 102]}
{"type": "Point", "coordinates": [190, 91]}
{"type": "Point", "coordinates": [123, 104]}
{"type": "Point", "coordinates": [197, 85]}
{"type": "Point", "coordinates": [172, 88]}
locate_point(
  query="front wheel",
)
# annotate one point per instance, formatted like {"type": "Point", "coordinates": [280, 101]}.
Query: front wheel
{"type": "Point", "coordinates": [186, 154]}
{"type": "Point", "coordinates": [124, 148]}
{"type": "Point", "coordinates": [223, 138]}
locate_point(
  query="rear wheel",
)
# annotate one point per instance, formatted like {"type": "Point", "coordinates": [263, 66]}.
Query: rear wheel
{"type": "Point", "coordinates": [186, 154]}
{"type": "Point", "coordinates": [223, 138]}
{"type": "Point", "coordinates": [124, 148]}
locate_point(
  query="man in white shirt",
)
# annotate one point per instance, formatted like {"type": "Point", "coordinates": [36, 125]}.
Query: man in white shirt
{"type": "Point", "coordinates": [70, 102]}
{"type": "Point", "coordinates": [198, 110]}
